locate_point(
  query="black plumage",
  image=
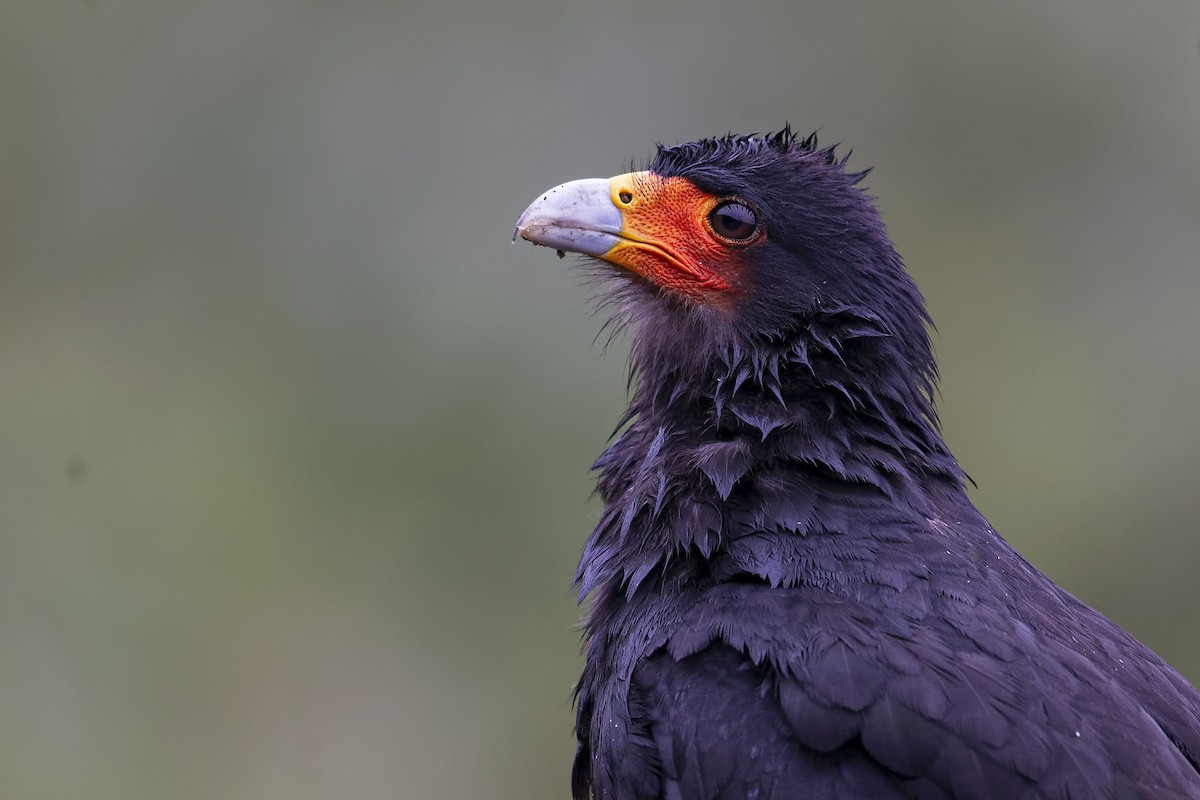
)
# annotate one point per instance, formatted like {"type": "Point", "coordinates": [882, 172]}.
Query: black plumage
{"type": "Point", "coordinates": [791, 595]}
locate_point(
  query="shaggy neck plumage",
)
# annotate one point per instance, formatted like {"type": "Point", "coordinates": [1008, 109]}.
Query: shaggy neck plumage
{"type": "Point", "coordinates": [800, 413]}
{"type": "Point", "coordinates": [836, 397]}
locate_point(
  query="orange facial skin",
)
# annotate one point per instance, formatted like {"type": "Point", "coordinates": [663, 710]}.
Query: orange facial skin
{"type": "Point", "coordinates": [666, 238]}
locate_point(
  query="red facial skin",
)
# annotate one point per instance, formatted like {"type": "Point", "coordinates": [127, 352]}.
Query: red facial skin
{"type": "Point", "coordinates": [667, 238]}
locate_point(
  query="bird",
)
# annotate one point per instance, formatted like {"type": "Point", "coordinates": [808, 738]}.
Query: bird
{"type": "Point", "coordinates": [789, 592]}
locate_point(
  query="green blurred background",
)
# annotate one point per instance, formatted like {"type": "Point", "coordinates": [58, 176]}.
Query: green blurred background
{"type": "Point", "coordinates": [294, 444]}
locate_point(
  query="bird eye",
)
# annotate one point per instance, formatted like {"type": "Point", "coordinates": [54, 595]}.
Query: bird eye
{"type": "Point", "coordinates": [733, 220]}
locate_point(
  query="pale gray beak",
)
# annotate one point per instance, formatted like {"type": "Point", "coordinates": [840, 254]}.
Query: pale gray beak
{"type": "Point", "coordinates": [577, 217]}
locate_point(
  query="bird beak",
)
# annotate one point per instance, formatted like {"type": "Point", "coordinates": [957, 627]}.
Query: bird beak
{"type": "Point", "coordinates": [576, 217]}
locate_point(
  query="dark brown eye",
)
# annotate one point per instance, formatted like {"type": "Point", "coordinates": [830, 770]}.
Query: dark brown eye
{"type": "Point", "coordinates": [733, 220]}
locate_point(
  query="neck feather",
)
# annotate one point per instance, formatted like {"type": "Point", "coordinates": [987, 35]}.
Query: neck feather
{"type": "Point", "coordinates": [755, 435]}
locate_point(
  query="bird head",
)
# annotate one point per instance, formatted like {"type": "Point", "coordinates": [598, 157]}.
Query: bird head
{"type": "Point", "coordinates": [749, 236]}
{"type": "Point", "coordinates": [754, 247]}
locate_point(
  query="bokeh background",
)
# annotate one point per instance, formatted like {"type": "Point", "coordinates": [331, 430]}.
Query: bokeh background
{"type": "Point", "coordinates": [294, 444]}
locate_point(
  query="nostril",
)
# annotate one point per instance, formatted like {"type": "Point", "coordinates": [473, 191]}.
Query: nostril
{"type": "Point", "coordinates": [625, 196]}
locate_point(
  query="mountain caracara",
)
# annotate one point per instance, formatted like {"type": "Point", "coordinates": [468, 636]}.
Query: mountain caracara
{"type": "Point", "coordinates": [791, 594]}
